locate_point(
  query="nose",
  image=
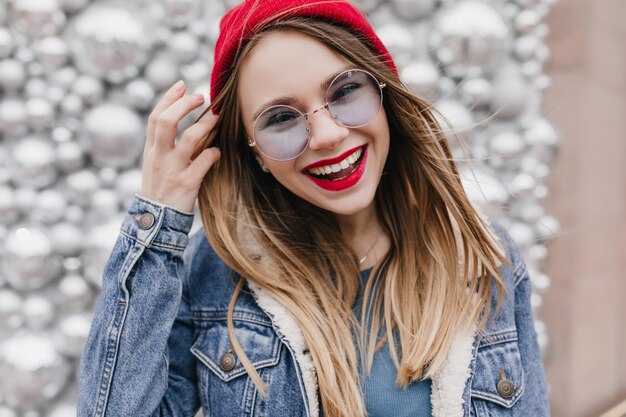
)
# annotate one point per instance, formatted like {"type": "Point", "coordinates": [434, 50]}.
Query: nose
{"type": "Point", "coordinates": [324, 131]}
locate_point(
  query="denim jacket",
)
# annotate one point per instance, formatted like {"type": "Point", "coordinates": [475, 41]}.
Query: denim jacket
{"type": "Point", "coordinates": [159, 346]}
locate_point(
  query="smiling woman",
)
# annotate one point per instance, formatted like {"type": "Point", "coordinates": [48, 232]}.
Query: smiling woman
{"type": "Point", "coordinates": [345, 119]}
{"type": "Point", "coordinates": [341, 271]}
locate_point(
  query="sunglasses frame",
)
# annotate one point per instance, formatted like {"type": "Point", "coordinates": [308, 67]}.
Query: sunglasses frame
{"type": "Point", "coordinates": [252, 141]}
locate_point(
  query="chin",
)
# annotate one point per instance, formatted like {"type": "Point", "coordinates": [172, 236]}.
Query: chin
{"type": "Point", "coordinates": [347, 204]}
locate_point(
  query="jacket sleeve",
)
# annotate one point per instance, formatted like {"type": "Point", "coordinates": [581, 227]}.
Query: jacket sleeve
{"type": "Point", "coordinates": [136, 361]}
{"type": "Point", "coordinates": [534, 373]}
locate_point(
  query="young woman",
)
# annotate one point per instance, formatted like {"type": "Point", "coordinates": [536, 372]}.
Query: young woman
{"type": "Point", "coordinates": [341, 270]}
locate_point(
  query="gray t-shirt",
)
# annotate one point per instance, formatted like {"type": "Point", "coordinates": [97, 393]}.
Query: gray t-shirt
{"type": "Point", "coordinates": [382, 397]}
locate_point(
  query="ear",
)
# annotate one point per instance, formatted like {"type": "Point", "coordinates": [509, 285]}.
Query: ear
{"type": "Point", "coordinates": [260, 161]}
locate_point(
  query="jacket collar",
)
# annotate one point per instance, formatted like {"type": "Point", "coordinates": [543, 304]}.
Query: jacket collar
{"type": "Point", "coordinates": [448, 384]}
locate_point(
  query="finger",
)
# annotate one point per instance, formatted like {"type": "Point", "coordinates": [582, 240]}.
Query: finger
{"type": "Point", "coordinates": [203, 162]}
{"type": "Point", "coordinates": [169, 97]}
{"type": "Point", "coordinates": [193, 137]}
{"type": "Point", "coordinates": [167, 122]}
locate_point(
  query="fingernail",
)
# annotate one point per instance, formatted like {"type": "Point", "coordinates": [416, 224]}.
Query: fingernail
{"type": "Point", "coordinates": [179, 85]}
{"type": "Point", "coordinates": [199, 97]}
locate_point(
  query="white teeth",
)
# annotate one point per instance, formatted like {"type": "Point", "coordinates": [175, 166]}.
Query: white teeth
{"type": "Point", "coordinates": [327, 169]}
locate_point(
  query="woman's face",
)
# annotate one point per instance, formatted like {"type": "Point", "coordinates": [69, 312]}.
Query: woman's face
{"type": "Point", "coordinates": [291, 64]}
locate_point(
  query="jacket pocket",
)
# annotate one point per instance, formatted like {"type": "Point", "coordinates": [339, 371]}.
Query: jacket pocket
{"type": "Point", "coordinates": [225, 389]}
{"type": "Point", "coordinates": [498, 381]}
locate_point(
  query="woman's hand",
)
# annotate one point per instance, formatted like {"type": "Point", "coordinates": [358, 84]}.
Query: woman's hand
{"type": "Point", "coordinates": [172, 173]}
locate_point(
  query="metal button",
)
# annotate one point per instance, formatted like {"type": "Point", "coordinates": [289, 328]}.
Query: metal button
{"type": "Point", "coordinates": [227, 361]}
{"type": "Point", "coordinates": [146, 221]}
{"type": "Point", "coordinates": [505, 386]}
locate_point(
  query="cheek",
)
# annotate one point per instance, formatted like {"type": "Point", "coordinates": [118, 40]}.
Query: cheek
{"type": "Point", "coordinates": [379, 131]}
{"type": "Point", "coordinates": [284, 172]}
{"type": "Point", "coordinates": [292, 179]}
{"type": "Point", "coordinates": [383, 125]}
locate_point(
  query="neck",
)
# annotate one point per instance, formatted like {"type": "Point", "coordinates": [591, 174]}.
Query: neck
{"type": "Point", "coordinates": [363, 231]}
{"type": "Point", "coordinates": [359, 225]}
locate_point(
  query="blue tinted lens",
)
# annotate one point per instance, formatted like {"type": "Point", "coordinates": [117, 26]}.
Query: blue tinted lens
{"type": "Point", "coordinates": [281, 133]}
{"type": "Point", "coordinates": [354, 98]}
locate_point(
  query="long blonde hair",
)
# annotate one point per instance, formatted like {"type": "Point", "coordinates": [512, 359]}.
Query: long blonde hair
{"type": "Point", "coordinates": [426, 293]}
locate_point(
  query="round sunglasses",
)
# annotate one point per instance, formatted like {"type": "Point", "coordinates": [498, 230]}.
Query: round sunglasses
{"type": "Point", "coordinates": [353, 99]}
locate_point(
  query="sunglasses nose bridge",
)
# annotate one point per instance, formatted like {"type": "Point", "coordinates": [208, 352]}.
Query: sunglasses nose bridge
{"type": "Point", "coordinates": [309, 114]}
{"type": "Point", "coordinates": [312, 112]}
{"type": "Point", "coordinates": [324, 106]}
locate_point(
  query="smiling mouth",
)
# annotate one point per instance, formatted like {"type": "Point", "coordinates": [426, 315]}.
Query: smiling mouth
{"type": "Point", "coordinates": [339, 170]}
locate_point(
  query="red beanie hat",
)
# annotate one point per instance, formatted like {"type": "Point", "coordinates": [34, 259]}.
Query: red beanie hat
{"type": "Point", "coordinates": [242, 21]}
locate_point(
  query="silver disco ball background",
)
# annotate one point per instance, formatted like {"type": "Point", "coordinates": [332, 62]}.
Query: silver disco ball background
{"type": "Point", "coordinates": [79, 77]}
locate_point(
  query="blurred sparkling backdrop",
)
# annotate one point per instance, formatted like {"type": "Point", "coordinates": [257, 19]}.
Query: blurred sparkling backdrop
{"type": "Point", "coordinates": [79, 77]}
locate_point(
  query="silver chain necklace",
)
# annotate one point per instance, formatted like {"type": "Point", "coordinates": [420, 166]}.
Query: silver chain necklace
{"type": "Point", "coordinates": [364, 258]}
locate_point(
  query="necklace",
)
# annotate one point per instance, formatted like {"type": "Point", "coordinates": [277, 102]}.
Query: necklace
{"type": "Point", "coordinates": [364, 258]}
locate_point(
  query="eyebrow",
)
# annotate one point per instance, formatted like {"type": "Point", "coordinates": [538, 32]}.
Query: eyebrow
{"type": "Point", "coordinates": [290, 101]}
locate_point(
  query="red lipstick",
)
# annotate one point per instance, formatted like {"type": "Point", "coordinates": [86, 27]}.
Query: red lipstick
{"type": "Point", "coordinates": [331, 161]}
{"type": "Point", "coordinates": [343, 183]}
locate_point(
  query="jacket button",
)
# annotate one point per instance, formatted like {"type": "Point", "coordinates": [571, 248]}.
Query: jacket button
{"type": "Point", "coordinates": [505, 386]}
{"type": "Point", "coordinates": [227, 361]}
{"type": "Point", "coordinates": [146, 221]}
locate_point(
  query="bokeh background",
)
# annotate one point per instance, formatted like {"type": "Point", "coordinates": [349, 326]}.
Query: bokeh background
{"type": "Point", "coordinates": [537, 88]}
{"type": "Point", "coordinates": [585, 308]}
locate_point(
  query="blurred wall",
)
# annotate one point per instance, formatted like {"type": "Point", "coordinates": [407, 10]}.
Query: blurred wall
{"type": "Point", "coordinates": [585, 308]}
